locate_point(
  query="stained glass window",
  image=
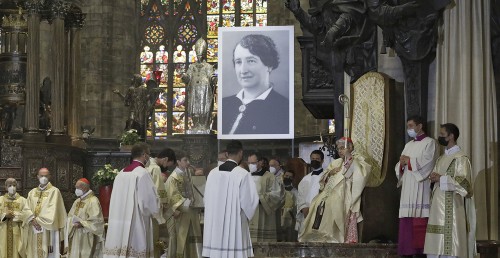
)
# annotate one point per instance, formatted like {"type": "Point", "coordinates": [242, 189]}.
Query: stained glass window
{"type": "Point", "coordinates": [169, 29]}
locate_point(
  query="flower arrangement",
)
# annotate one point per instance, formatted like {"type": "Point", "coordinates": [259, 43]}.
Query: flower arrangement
{"type": "Point", "coordinates": [105, 175]}
{"type": "Point", "coordinates": [129, 137]}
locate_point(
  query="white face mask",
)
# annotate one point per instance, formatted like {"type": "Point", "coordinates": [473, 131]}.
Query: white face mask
{"type": "Point", "coordinates": [11, 190]}
{"type": "Point", "coordinates": [220, 162]}
{"type": "Point", "coordinates": [252, 167]}
{"type": "Point", "coordinates": [43, 180]}
{"type": "Point", "coordinates": [412, 133]}
{"type": "Point", "coordinates": [78, 192]}
{"type": "Point", "coordinates": [272, 170]}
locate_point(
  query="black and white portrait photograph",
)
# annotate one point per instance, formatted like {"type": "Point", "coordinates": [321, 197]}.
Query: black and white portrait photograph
{"type": "Point", "coordinates": [255, 98]}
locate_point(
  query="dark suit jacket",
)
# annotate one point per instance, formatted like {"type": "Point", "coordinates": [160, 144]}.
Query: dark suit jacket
{"type": "Point", "coordinates": [269, 116]}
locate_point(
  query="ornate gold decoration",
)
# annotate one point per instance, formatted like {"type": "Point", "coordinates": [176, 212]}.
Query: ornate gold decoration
{"type": "Point", "coordinates": [368, 123]}
{"type": "Point", "coordinates": [15, 20]}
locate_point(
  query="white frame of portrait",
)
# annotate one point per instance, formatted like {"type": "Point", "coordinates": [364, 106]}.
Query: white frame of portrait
{"type": "Point", "coordinates": [228, 38]}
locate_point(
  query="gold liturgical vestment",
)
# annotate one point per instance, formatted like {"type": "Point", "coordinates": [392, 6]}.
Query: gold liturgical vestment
{"type": "Point", "coordinates": [87, 241]}
{"type": "Point", "coordinates": [265, 221]}
{"type": "Point", "coordinates": [48, 208]}
{"type": "Point", "coordinates": [451, 227]}
{"type": "Point", "coordinates": [184, 231]}
{"type": "Point", "coordinates": [11, 229]}
{"type": "Point", "coordinates": [340, 196]}
{"type": "Point", "coordinates": [155, 171]}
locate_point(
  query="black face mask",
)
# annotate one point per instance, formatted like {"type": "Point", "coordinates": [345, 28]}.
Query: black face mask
{"type": "Point", "coordinates": [287, 181]}
{"type": "Point", "coordinates": [315, 164]}
{"type": "Point", "coordinates": [442, 141]}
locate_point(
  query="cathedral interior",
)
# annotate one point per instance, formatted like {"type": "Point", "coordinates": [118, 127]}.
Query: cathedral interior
{"type": "Point", "coordinates": [64, 65]}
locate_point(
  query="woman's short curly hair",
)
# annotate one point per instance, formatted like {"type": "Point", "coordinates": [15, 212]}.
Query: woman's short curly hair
{"type": "Point", "coordinates": [261, 46]}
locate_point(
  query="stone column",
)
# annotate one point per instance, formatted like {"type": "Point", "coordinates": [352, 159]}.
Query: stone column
{"type": "Point", "coordinates": [58, 11]}
{"type": "Point", "coordinates": [75, 23]}
{"type": "Point", "coordinates": [31, 125]}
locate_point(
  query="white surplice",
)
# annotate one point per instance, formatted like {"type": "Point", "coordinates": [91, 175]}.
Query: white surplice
{"type": "Point", "coordinates": [134, 202]}
{"type": "Point", "coordinates": [308, 189]}
{"type": "Point", "coordinates": [230, 202]}
{"type": "Point", "coordinates": [416, 188]}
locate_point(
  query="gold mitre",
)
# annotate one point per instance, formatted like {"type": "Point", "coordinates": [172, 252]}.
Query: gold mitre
{"type": "Point", "coordinates": [200, 46]}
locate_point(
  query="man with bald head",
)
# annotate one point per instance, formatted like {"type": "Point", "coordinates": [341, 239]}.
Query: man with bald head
{"type": "Point", "coordinates": [84, 233]}
{"type": "Point", "coordinates": [14, 213]}
{"type": "Point", "coordinates": [49, 217]}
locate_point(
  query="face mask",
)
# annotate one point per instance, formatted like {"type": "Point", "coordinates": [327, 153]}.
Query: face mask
{"type": "Point", "coordinates": [315, 164]}
{"type": "Point", "coordinates": [219, 162]}
{"type": "Point", "coordinates": [287, 181]}
{"type": "Point", "coordinates": [43, 180]}
{"type": "Point", "coordinates": [272, 170]}
{"type": "Point", "coordinates": [442, 141]}
{"type": "Point", "coordinates": [78, 192]}
{"type": "Point", "coordinates": [412, 133]}
{"type": "Point", "coordinates": [252, 167]}
{"type": "Point", "coordinates": [12, 190]}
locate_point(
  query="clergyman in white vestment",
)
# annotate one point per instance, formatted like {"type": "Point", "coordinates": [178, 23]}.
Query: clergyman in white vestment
{"type": "Point", "coordinates": [41, 238]}
{"type": "Point", "coordinates": [451, 231]}
{"type": "Point", "coordinates": [412, 171]}
{"type": "Point", "coordinates": [134, 202]}
{"type": "Point", "coordinates": [230, 202]}
{"type": "Point", "coordinates": [309, 187]}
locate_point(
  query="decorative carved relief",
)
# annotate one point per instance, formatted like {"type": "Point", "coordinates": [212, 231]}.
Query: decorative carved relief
{"type": "Point", "coordinates": [77, 172]}
{"type": "Point", "coordinates": [75, 18]}
{"type": "Point", "coordinates": [58, 9]}
{"type": "Point", "coordinates": [199, 148]}
{"type": "Point", "coordinates": [33, 6]}
{"type": "Point", "coordinates": [10, 154]}
{"type": "Point", "coordinates": [62, 175]}
{"type": "Point", "coordinates": [10, 172]}
{"type": "Point", "coordinates": [319, 78]}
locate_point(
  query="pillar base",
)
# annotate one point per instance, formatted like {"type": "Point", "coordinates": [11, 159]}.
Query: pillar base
{"type": "Point", "coordinates": [59, 139]}
{"type": "Point", "coordinates": [33, 136]}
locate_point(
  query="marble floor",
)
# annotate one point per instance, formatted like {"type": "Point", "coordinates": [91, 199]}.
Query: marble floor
{"type": "Point", "coordinates": [292, 250]}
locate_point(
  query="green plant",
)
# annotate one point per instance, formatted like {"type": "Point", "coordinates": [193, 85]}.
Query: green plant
{"type": "Point", "coordinates": [129, 137]}
{"type": "Point", "coordinates": [105, 176]}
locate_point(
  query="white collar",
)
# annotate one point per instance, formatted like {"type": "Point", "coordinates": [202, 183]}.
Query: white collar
{"type": "Point", "coordinates": [262, 96]}
{"type": "Point", "coordinates": [179, 171]}
{"type": "Point", "coordinates": [85, 194]}
{"type": "Point", "coordinates": [43, 188]}
{"type": "Point", "coordinates": [452, 150]}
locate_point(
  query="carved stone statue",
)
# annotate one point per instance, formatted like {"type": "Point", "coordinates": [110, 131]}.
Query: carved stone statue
{"type": "Point", "coordinates": [200, 80]}
{"type": "Point", "coordinates": [7, 116]}
{"type": "Point", "coordinates": [338, 25]}
{"type": "Point", "coordinates": [137, 98]}
{"type": "Point", "coordinates": [344, 40]}
{"type": "Point", "coordinates": [45, 104]}
{"type": "Point", "coordinates": [410, 28]}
